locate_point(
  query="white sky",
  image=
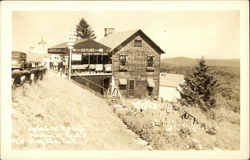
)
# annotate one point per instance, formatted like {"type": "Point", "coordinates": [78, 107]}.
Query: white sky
{"type": "Point", "coordinates": [213, 34]}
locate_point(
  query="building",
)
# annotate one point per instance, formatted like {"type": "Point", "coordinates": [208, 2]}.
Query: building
{"type": "Point", "coordinates": [130, 61]}
{"type": "Point", "coordinates": [41, 48]}
{"type": "Point", "coordinates": [169, 85]}
{"type": "Point", "coordinates": [135, 62]}
{"type": "Point", "coordinates": [91, 63]}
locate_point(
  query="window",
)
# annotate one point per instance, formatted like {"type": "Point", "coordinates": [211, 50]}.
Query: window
{"type": "Point", "coordinates": [122, 84]}
{"type": "Point", "coordinates": [131, 88]}
{"type": "Point", "coordinates": [122, 87]}
{"type": "Point", "coordinates": [138, 43]}
{"type": "Point", "coordinates": [123, 60]}
{"type": "Point", "coordinates": [150, 61]}
{"type": "Point", "coordinates": [131, 84]}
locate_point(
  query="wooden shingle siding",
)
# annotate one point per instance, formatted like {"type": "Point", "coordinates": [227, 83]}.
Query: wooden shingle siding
{"type": "Point", "coordinates": [137, 67]}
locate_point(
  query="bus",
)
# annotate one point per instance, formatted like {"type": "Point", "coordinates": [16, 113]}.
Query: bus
{"type": "Point", "coordinates": [18, 60]}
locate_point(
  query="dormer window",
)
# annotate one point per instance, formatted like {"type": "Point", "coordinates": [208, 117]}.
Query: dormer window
{"type": "Point", "coordinates": [137, 43]}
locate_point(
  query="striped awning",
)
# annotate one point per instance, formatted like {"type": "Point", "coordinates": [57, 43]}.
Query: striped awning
{"type": "Point", "coordinates": [122, 81]}
{"type": "Point", "coordinates": [151, 82]}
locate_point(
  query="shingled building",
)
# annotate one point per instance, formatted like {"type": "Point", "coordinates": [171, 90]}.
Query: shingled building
{"type": "Point", "coordinates": [130, 58]}
{"type": "Point", "coordinates": [135, 62]}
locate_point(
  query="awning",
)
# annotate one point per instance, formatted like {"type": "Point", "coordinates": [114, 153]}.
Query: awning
{"type": "Point", "coordinates": [123, 81]}
{"type": "Point", "coordinates": [151, 82]}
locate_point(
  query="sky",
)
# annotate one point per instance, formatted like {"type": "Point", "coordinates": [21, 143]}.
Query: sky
{"type": "Point", "coordinates": [212, 34]}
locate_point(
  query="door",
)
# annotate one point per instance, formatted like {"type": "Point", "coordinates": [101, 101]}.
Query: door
{"type": "Point", "coordinates": [131, 88]}
{"type": "Point", "coordinates": [150, 91]}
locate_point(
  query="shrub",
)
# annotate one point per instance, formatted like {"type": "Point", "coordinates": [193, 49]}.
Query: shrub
{"type": "Point", "coordinates": [199, 88]}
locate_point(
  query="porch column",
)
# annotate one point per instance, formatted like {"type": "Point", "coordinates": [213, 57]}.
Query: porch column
{"type": "Point", "coordinates": [88, 61]}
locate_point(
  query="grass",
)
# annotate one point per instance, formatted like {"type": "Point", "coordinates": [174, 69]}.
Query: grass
{"type": "Point", "coordinates": [57, 102]}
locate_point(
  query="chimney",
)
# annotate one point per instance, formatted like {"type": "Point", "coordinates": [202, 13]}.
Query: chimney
{"type": "Point", "coordinates": [108, 31]}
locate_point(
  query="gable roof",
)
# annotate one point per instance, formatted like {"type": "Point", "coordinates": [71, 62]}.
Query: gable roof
{"type": "Point", "coordinates": [171, 80]}
{"type": "Point", "coordinates": [117, 40]}
{"type": "Point", "coordinates": [64, 45]}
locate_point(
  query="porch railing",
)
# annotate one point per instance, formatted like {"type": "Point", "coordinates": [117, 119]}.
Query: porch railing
{"type": "Point", "coordinates": [88, 84]}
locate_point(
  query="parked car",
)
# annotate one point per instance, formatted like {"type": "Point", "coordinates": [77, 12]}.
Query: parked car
{"type": "Point", "coordinates": [18, 60]}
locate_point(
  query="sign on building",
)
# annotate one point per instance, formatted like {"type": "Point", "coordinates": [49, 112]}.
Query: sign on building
{"type": "Point", "coordinates": [76, 57]}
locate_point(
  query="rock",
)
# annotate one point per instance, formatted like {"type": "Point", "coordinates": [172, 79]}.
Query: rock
{"type": "Point", "coordinates": [215, 148]}
{"type": "Point", "coordinates": [142, 142]}
{"type": "Point", "coordinates": [198, 147]}
{"type": "Point", "coordinates": [169, 129]}
{"type": "Point", "coordinates": [149, 147]}
{"type": "Point", "coordinates": [211, 131]}
{"type": "Point", "coordinates": [176, 108]}
{"type": "Point", "coordinates": [117, 106]}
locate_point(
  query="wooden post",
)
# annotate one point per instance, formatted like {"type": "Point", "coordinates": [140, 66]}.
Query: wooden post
{"type": "Point", "coordinates": [70, 53]}
{"type": "Point", "coordinates": [88, 61]}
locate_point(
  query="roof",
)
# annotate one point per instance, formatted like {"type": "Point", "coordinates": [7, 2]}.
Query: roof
{"type": "Point", "coordinates": [171, 80]}
{"type": "Point", "coordinates": [116, 40]}
{"type": "Point", "coordinates": [65, 45]}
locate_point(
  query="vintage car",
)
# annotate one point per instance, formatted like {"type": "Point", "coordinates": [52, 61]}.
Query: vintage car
{"type": "Point", "coordinates": [18, 60]}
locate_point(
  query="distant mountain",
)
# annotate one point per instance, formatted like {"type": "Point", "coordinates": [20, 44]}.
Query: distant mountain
{"type": "Point", "coordinates": [184, 61]}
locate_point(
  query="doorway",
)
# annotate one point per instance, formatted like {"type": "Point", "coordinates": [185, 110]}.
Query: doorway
{"type": "Point", "coordinates": [131, 88]}
{"type": "Point", "coordinates": [150, 91]}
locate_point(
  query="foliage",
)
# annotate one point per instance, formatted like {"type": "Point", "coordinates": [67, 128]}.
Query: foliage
{"type": "Point", "coordinates": [227, 72]}
{"type": "Point", "coordinates": [200, 87]}
{"type": "Point", "coordinates": [84, 30]}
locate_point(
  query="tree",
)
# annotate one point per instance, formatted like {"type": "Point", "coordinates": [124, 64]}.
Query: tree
{"type": "Point", "coordinates": [199, 87]}
{"type": "Point", "coordinates": [83, 30]}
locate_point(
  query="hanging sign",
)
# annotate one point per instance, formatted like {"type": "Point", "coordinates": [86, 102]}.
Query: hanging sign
{"type": "Point", "coordinates": [76, 57]}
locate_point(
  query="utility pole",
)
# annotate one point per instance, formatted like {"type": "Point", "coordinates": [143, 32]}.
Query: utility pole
{"type": "Point", "coordinates": [71, 42]}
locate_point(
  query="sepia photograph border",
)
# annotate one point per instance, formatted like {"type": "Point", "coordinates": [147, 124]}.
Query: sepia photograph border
{"type": "Point", "coordinates": [7, 7]}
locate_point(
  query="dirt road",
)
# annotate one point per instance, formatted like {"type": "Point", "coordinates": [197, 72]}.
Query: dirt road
{"type": "Point", "coordinates": [56, 114]}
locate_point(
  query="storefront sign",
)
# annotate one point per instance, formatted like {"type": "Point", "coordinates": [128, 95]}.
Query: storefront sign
{"type": "Point", "coordinates": [76, 57]}
{"type": "Point", "coordinates": [79, 66]}
{"type": "Point", "coordinates": [84, 50]}
{"type": "Point", "coordinates": [92, 53]}
{"type": "Point", "coordinates": [56, 50]}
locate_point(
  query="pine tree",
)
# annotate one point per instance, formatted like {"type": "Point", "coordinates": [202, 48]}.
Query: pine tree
{"type": "Point", "coordinates": [83, 30]}
{"type": "Point", "coordinates": [199, 88]}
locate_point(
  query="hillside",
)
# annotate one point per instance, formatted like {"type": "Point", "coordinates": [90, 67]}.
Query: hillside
{"type": "Point", "coordinates": [58, 114]}
{"type": "Point", "coordinates": [184, 61]}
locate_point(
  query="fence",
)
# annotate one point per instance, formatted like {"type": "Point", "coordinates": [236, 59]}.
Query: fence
{"type": "Point", "coordinates": [29, 76]}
